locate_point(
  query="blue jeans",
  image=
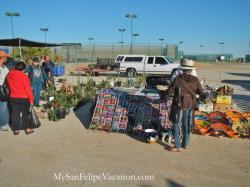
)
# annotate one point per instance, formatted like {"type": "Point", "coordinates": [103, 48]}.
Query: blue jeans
{"type": "Point", "coordinates": [182, 127]}
{"type": "Point", "coordinates": [37, 88]}
{"type": "Point", "coordinates": [4, 114]}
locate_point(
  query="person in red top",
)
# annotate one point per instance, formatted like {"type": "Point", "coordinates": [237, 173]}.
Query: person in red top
{"type": "Point", "coordinates": [21, 97]}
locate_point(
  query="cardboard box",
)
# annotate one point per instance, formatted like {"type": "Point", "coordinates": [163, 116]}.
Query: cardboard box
{"type": "Point", "coordinates": [224, 100]}
{"type": "Point", "coordinates": [209, 107]}
{"type": "Point", "coordinates": [222, 107]}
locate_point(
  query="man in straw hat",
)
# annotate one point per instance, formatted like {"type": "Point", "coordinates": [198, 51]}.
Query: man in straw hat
{"type": "Point", "coordinates": [185, 88]}
{"type": "Point", "coordinates": [4, 112]}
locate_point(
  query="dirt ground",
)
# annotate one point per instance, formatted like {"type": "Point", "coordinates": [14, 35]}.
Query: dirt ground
{"type": "Point", "coordinates": [67, 147]}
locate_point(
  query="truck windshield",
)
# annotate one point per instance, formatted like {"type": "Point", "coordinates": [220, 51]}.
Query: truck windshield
{"type": "Point", "coordinates": [160, 60]}
{"type": "Point", "coordinates": [169, 60]}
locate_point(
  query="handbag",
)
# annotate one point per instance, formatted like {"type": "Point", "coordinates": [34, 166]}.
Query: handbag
{"type": "Point", "coordinates": [4, 91]}
{"type": "Point", "coordinates": [34, 121]}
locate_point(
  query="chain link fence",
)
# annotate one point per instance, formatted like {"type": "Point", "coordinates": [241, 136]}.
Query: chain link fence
{"type": "Point", "coordinates": [77, 53]}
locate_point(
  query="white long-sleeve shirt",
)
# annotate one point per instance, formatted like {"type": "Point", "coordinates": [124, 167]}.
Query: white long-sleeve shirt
{"type": "Point", "coordinates": [3, 73]}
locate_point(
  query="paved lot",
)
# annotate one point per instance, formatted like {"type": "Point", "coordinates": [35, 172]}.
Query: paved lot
{"type": "Point", "coordinates": [67, 147]}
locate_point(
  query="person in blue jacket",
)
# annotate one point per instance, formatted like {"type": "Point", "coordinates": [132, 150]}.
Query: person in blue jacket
{"type": "Point", "coordinates": [37, 78]}
{"type": "Point", "coordinates": [48, 66]}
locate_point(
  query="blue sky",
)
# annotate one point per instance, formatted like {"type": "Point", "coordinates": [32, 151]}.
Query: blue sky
{"type": "Point", "coordinates": [195, 22]}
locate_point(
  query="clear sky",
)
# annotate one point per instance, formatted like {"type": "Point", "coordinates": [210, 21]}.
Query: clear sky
{"type": "Point", "coordinates": [195, 22]}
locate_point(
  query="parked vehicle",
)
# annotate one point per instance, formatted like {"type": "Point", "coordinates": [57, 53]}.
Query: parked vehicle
{"type": "Point", "coordinates": [140, 64]}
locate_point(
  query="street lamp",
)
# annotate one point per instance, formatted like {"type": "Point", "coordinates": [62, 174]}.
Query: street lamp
{"type": "Point", "coordinates": [45, 30]}
{"type": "Point", "coordinates": [135, 35]}
{"type": "Point", "coordinates": [222, 47]}
{"type": "Point", "coordinates": [90, 43]}
{"type": "Point", "coordinates": [122, 30]}
{"type": "Point", "coordinates": [162, 40]}
{"type": "Point", "coordinates": [131, 17]}
{"type": "Point", "coordinates": [180, 43]}
{"type": "Point", "coordinates": [11, 15]}
{"type": "Point", "coordinates": [249, 48]}
{"type": "Point", "coordinates": [201, 46]}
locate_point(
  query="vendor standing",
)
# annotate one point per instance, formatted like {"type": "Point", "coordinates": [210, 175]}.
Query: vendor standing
{"type": "Point", "coordinates": [37, 78]}
{"type": "Point", "coordinates": [185, 88]}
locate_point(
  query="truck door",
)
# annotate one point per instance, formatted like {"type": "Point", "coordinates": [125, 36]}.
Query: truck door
{"type": "Point", "coordinates": [160, 65]}
{"type": "Point", "coordinates": [149, 64]}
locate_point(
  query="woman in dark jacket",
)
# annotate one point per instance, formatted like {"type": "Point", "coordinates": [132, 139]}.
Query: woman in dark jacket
{"type": "Point", "coordinates": [185, 88]}
{"type": "Point", "coordinates": [21, 97]}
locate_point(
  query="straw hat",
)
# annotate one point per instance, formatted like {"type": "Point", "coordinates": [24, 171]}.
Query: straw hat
{"type": "Point", "coordinates": [186, 64]}
{"type": "Point", "coordinates": [3, 54]}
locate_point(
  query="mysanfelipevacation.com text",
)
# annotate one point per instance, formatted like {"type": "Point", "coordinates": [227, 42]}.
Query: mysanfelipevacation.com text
{"type": "Point", "coordinates": [67, 176]}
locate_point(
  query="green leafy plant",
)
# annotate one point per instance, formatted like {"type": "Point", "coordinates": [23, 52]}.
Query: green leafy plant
{"type": "Point", "coordinates": [52, 115]}
{"type": "Point", "coordinates": [89, 89]}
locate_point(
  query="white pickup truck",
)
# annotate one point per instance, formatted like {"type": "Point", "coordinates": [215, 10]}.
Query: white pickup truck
{"type": "Point", "coordinates": [140, 64]}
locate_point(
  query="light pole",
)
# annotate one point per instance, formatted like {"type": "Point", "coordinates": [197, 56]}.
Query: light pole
{"type": "Point", "coordinates": [135, 35]}
{"type": "Point", "coordinates": [131, 17]}
{"type": "Point", "coordinates": [249, 48]}
{"type": "Point", "coordinates": [180, 44]}
{"type": "Point", "coordinates": [11, 14]}
{"type": "Point", "coordinates": [45, 30]}
{"type": "Point", "coordinates": [121, 45]}
{"type": "Point", "coordinates": [202, 46]}
{"type": "Point", "coordinates": [162, 40]}
{"type": "Point", "coordinates": [122, 30]}
{"type": "Point", "coordinates": [90, 43]}
{"type": "Point", "coordinates": [222, 47]}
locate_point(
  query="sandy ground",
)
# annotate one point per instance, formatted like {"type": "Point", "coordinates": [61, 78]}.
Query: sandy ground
{"type": "Point", "coordinates": [68, 147]}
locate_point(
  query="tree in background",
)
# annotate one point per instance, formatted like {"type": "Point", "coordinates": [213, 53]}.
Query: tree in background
{"type": "Point", "coordinates": [29, 52]}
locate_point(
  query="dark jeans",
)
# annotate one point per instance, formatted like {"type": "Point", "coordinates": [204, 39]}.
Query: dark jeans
{"type": "Point", "coordinates": [183, 127]}
{"type": "Point", "coordinates": [37, 88]}
{"type": "Point", "coordinates": [19, 114]}
{"type": "Point", "coordinates": [4, 113]}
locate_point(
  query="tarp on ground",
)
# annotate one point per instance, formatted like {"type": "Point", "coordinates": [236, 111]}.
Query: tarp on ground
{"type": "Point", "coordinates": [15, 42]}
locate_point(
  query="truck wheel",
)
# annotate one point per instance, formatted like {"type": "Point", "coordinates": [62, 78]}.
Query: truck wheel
{"type": "Point", "coordinates": [131, 73]}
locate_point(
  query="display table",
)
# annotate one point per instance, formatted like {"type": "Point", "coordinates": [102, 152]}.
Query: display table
{"type": "Point", "coordinates": [141, 108]}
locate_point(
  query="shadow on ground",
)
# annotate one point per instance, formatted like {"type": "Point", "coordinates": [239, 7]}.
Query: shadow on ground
{"type": "Point", "coordinates": [240, 74]}
{"type": "Point", "coordinates": [242, 102]}
{"type": "Point", "coordinates": [169, 183]}
{"type": "Point", "coordinates": [245, 84]}
{"type": "Point", "coordinates": [84, 111]}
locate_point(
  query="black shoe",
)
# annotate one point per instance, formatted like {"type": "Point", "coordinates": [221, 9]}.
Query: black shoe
{"type": "Point", "coordinates": [30, 132]}
{"type": "Point", "coordinates": [16, 132]}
